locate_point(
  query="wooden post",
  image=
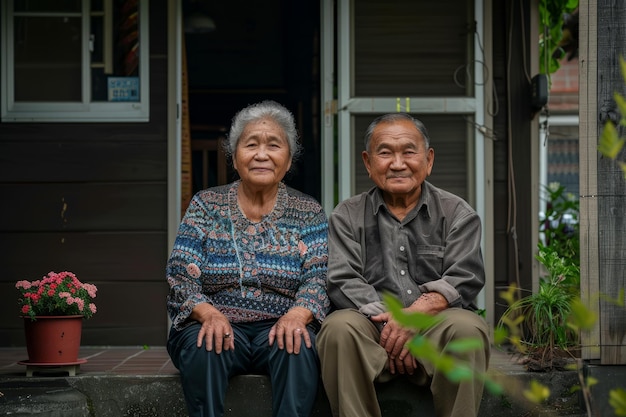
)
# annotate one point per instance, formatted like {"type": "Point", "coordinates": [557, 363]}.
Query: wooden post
{"type": "Point", "coordinates": [588, 134]}
{"type": "Point", "coordinates": [611, 185]}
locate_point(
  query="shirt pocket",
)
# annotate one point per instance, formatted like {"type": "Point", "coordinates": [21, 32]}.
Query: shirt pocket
{"type": "Point", "coordinates": [428, 263]}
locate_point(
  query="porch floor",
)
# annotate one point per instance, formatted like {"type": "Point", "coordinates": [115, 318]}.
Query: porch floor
{"type": "Point", "coordinates": [137, 381]}
{"type": "Point", "coordinates": [127, 360]}
{"type": "Point", "coordinates": [137, 360]}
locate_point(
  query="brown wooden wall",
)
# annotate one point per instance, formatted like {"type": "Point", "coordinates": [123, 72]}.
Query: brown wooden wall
{"type": "Point", "coordinates": [91, 198]}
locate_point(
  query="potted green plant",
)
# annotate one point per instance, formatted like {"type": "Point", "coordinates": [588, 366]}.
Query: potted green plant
{"type": "Point", "coordinates": [544, 334]}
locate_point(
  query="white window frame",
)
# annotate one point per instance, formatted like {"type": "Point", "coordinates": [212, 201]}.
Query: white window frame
{"type": "Point", "coordinates": [85, 110]}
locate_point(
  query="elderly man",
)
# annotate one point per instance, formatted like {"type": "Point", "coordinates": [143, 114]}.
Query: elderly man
{"type": "Point", "coordinates": [417, 242]}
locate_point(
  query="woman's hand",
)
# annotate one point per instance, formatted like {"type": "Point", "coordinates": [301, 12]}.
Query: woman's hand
{"type": "Point", "coordinates": [290, 329]}
{"type": "Point", "coordinates": [215, 330]}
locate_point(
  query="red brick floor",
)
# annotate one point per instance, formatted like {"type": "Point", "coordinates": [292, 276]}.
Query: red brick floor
{"type": "Point", "coordinates": [100, 360]}
{"type": "Point", "coordinates": [135, 360]}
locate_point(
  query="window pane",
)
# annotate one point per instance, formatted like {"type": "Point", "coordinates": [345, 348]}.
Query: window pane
{"type": "Point", "coordinates": [47, 68]}
{"type": "Point", "coordinates": [47, 5]}
{"type": "Point", "coordinates": [115, 52]}
{"type": "Point", "coordinates": [563, 157]}
{"type": "Point", "coordinates": [413, 48]}
{"type": "Point", "coordinates": [75, 60]}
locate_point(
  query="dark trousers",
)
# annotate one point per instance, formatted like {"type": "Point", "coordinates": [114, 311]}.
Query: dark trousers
{"type": "Point", "coordinates": [205, 374]}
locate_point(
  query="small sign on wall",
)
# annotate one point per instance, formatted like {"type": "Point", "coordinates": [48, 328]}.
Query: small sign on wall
{"type": "Point", "coordinates": [123, 88]}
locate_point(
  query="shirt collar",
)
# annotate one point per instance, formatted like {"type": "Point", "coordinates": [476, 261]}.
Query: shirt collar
{"type": "Point", "coordinates": [376, 198]}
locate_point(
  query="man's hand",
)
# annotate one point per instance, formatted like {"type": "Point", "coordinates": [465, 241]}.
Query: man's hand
{"type": "Point", "coordinates": [406, 366]}
{"type": "Point", "coordinates": [394, 338]}
{"type": "Point", "coordinates": [428, 303]}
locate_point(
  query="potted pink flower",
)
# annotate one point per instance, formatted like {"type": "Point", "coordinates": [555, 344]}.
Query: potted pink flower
{"type": "Point", "coordinates": [53, 309]}
{"type": "Point", "coordinates": [57, 294]}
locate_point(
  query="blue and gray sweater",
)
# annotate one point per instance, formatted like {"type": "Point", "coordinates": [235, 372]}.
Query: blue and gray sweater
{"type": "Point", "coordinates": [250, 271]}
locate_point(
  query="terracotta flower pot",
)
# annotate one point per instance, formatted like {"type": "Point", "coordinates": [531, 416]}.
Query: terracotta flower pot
{"type": "Point", "coordinates": [53, 339]}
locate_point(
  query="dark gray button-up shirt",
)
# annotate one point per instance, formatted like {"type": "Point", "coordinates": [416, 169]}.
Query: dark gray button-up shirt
{"type": "Point", "coordinates": [436, 247]}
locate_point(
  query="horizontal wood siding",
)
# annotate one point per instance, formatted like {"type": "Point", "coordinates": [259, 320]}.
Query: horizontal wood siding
{"type": "Point", "coordinates": [85, 207]}
{"type": "Point", "coordinates": [412, 47]}
{"type": "Point", "coordinates": [91, 198]}
{"type": "Point", "coordinates": [123, 159]}
{"type": "Point", "coordinates": [106, 256]}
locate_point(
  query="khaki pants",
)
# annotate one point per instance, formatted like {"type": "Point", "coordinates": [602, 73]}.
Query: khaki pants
{"type": "Point", "coordinates": [352, 360]}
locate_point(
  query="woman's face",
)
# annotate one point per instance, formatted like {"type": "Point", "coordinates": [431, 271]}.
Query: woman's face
{"type": "Point", "coordinates": [262, 157]}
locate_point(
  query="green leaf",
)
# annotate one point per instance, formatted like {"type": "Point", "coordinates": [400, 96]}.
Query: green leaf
{"type": "Point", "coordinates": [500, 335]}
{"type": "Point", "coordinates": [618, 301]}
{"type": "Point", "coordinates": [413, 320]}
{"type": "Point", "coordinates": [610, 143]}
{"type": "Point", "coordinates": [623, 167]}
{"type": "Point", "coordinates": [421, 347]}
{"type": "Point", "coordinates": [493, 387]}
{"type": "Point", "coordinates": [514, 322]}
{"type": "Point", "coordinates": [617, 400]}
{"type": "Point", "coordinates": [464, 345]}
{"type": "Point", "coordinates": [621, 105]}
{"type": "Point", "coordinates": [581, 318]}
{"type": "Point", "coordinates": [460, 373]}
{"type": "Point", "coordinates": [537, 393]}
{"type": "Point", "coordinates": [509, 294]}
{"type": "Point", "coordinates": [591, 381]}
{"type": "Point", "coordinates": [622, 65]}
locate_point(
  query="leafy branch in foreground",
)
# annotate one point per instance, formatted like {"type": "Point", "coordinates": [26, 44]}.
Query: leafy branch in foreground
{"type": "Point", "coordinates": [580, 319]}
{"type": "Point", "coordinates": [446, 361]}
{"type": "Point", "coordinates": [610, 144]}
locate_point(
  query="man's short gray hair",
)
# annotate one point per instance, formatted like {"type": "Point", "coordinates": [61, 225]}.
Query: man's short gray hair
{"type": "Point", "coordinates": [394, 117]}
{"type": "Point", "coordinates": [264, 110]}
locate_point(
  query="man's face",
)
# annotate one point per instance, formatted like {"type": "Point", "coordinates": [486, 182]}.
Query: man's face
{"type": "Point", "coordinates": [397, 159]}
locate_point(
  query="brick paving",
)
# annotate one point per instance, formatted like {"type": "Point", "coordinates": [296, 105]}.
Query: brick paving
{"type": "Point", "coordinates": [137, 360]}
{"type": "Point", "coordinates": [100, 360]}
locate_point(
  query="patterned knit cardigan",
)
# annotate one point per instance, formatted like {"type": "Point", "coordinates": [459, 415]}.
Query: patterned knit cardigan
{"type": "Point", "coordinates": [250, 271]}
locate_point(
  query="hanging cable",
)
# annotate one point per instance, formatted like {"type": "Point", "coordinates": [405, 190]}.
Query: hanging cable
{"type": "Point", "coordinates": [512, 198]}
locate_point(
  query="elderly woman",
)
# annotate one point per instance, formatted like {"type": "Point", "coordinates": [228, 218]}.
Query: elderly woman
{"type": "Point", "coordinates": [247, 274]}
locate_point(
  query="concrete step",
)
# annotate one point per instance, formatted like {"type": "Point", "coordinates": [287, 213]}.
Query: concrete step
{"type": "Point", "coordinates": [250, 396]}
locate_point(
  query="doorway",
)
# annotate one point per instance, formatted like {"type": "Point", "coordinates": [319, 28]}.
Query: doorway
{"type": "Point", "coordinates": [255, 51]}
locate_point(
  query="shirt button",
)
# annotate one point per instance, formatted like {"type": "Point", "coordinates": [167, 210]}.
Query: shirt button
{"type": "Point", "coordinates": [401, 248]}
{"type": "Point", "coordinates": [409, 292]}
{"type": "Point", "coordinates": [402, 272]}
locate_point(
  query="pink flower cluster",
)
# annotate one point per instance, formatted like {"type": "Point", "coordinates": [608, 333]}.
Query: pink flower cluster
{"type": "Point", "coordinates": [57, 294]}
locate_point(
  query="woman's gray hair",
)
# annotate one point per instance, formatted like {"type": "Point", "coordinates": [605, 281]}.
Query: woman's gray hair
{"type": "Point", "coordinates": [264, 110]}
{"type": "Point", "coordinates": [394, 117]}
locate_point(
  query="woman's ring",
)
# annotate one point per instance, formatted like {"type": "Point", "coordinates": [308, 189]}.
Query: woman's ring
{"type": "Point", "coordinates": [298, 330]}
{"type": "Point", "coordinates": [226, 335]}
